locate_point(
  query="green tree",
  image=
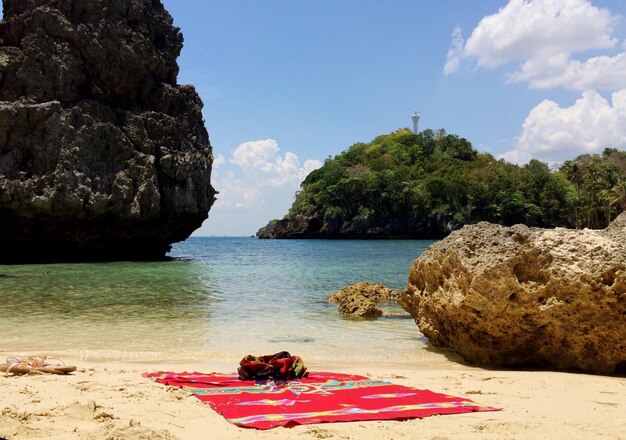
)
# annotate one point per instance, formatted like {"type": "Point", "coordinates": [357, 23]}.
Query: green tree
{"type": "Point", "coordinates": [424, 185]}
{"type": "Point", "coordinates": [616, 197]}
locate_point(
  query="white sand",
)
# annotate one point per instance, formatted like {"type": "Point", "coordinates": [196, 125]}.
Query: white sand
{"type": "Point", "coordinates": [113, 401]}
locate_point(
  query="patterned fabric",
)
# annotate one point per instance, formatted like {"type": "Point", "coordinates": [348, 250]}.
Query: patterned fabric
{"type": "Point", "coordinates": [281, 365]}
{"type": "Point", "coordinates": [318, 398]}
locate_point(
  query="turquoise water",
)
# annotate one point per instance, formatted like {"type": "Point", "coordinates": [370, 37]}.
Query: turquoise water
{"type": "Point", "coordinates": [217, 298]}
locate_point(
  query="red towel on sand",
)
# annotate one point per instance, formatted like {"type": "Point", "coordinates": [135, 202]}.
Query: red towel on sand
{"type": "Point", "coordinates": [318, 398]}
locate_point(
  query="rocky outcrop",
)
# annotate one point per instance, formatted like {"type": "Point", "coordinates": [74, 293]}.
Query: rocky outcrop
{"type": "Point", "coordinates": [519, 296]}
{"type": "Point", "coordinates": [318, 225]}
{"type": "Point", "coordinates": [102, 154]}
{"type": "Point", "coordinates": [362, 300]}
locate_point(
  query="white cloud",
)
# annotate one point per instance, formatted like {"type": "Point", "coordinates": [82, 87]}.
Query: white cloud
{"type": "Point", "coordinates": [234, 191]}
{"type": "Point", "coordinates": [256, 183]}
{"type": "Point", "coordinates": [218, 161]}
{"type": "Point", "coordinates": [455, 53]}
{"type": "Point", "coordinates": [255, 154]}
{"type": "Point", "coordinates": [552, 133]}
{"type": "Point", "coordinates": [603, 72]}
{"type": "Point", "coordinates": [544, 35]}
{"type": "Point", "coordinates": [261, 163]}
{"type": "Point", "coordinates": [529, 29]}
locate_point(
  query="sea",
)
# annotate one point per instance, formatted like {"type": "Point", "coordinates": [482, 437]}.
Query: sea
{"type": "Point", "coordinates": [215, 298]}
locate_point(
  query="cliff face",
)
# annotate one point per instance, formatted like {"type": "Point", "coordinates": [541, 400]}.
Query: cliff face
{"type": "Point", "coordinates": [519, 296]}
{"type": "Point", "coordinates": [102, 154]}
{"type": "Point", "coordinates": [319, 226]}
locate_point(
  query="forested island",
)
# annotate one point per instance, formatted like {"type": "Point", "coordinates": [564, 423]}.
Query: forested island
{"type": "Point", "coordinates": [425, 185]}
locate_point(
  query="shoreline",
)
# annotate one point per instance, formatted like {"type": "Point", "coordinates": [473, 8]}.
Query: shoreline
{"type": "Point", "coordinates": [112, 400]}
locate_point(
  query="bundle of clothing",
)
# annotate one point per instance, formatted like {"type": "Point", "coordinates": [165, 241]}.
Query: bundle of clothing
{"type": "Point", "coordinates": [281, 366]}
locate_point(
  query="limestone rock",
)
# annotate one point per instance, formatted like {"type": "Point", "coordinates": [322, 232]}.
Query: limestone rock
{"type": "Point", "coordinates": [519, 296]}
{"type": "Point", "coordinates": [319, 225]}
{"type": "Point", "coordinates": [102, 154]}
{"type": "Point", "coordinates": [361, 300]}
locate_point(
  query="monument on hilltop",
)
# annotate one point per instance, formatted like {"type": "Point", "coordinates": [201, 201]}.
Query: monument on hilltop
{"type": "Point", "coordinates": [416, 120]}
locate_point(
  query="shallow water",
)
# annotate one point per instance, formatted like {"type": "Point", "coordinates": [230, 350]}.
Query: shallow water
{"type": "Point", "coordinates": [219, 298]}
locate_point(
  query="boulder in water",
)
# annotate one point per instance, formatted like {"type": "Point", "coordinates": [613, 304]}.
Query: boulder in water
{"type": "Point", "coordinates": [361, 300]}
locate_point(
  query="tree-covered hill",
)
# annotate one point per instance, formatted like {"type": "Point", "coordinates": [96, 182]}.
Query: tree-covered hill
{"type": "Point", "coordinates": [425, 185]}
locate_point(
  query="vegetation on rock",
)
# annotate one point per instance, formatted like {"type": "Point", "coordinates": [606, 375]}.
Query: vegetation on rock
{"type": "Point", "coordinates": [425, 185]}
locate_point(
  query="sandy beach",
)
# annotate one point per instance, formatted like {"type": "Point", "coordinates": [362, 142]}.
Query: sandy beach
{"type": "Point", "coordinates": [113, 401]}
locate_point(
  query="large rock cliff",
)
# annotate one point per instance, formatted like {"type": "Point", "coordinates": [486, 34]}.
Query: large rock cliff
{"type": "Point", "coordinates": [102, 154]}
{"type": "Point", "coordinates": [519, 296]}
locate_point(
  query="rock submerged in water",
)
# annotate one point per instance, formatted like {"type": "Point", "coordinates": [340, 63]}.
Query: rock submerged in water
{"type": "Point", "coordinates": [102, 154]}
{"type": "Point", "coordinates": [525, 297]}
{"type": "Point", "coordinates": [361, 300]}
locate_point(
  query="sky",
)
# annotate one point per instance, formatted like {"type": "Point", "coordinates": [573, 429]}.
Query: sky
{"type": "Point", "coordinates": [286, 84]}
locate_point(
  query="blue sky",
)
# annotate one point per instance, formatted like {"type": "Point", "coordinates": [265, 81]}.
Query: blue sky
{"type": "Point", "coordinates": [288, 83]}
